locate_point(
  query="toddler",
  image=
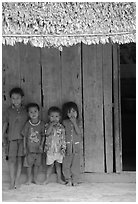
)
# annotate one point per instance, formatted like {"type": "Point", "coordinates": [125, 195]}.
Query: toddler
{"type": "Point", "coordinates": [55, 143]}
{"type": "Point", "coordinates": [33, 133]}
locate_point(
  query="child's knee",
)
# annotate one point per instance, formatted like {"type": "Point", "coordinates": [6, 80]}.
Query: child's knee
{"type": "Point", "coordinates": [12, 160]}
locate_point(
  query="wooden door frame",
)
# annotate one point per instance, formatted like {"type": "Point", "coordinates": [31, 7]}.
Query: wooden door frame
{"type": "Point", "coordinates": [117, 133]}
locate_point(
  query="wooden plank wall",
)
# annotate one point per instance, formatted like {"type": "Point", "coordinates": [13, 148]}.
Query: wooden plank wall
{"type": "Point", "coordinates": [71, 81]}
{"type": "Point", "coordinates": [117, 124]}
{"type": "Point", "coordinates": [107, 101]}
{"type": "Point", "coordinates": [51, 79]}
{"type": "Point", "coordinates": [79, 73]}
{"type": "Point", "coordinates": [93, 108]}
{"type": "Point", "coordinates": [11, 72]}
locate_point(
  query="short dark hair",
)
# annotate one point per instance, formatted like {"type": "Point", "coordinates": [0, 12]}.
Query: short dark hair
{"type": "Point", "coordinates": [67, 108]}
{"type": "Point", "coordinates": [32, 105]}
{"type": "Point", "coordinates": [16, 90]}
{"type": "Point", "coordinates": [54, 109]}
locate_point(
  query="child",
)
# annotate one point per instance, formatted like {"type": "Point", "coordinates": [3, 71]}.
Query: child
{"type": "Point", "coordinates": [14, 120]}
{"type": "Point", "coordinates": [55, 143]}
{"type": "Point", "coordinates": [71, 162]}
{"type": "Point", "coordinates": [33, 133]}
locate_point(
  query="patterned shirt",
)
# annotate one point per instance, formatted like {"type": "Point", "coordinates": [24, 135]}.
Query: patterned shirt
{"type": "Point", "coordinates": [55, 142]}
{"type": "Point", "coordinates": [34, 134]}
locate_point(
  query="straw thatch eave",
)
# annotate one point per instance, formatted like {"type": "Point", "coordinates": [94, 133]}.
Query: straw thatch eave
{"type": "Point", "coordinates": [67, 23]}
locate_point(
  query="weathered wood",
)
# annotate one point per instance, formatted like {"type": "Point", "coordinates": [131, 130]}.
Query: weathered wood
{"type": "Point", "coordinates": [119, 102]}
{"type": "Point", "coordinates": [116, 109]}
{"type": "Point", "coordinates": [51, 78]}
{"type": "Point", "coordinates": [11, 72]}
{"type": "Point", "coordinates": [107, 100]}
{"type": "Point", "coordinates": [30, 73]}
{"type": "Point", "coordinates": [93, 111]}
{"type": "Point", "coordinates": [71, 81]}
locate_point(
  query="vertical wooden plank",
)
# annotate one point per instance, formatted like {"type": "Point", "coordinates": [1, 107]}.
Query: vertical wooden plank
{"type": "Point", "coordinates": [118, 158]}
{"type": "Point", "coordinates": [93, 108]}
{"type": "Point", "coordinates": [51, 78]}
{"type": "Point", "coordinates": [71, 81]}
{"type": "Point", "coordinates": [30, 73]}
{"type": "Point", "coordinates": [11, 72]}
{"type": "Point", "coordinates": [107, 90]}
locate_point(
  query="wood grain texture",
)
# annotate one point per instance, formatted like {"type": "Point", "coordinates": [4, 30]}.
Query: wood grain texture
{"type": "Point", "coordinates": [93, 108]}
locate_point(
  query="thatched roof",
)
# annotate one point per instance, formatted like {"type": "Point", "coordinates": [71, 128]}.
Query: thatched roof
{"type": "Point", "coordinates": [65, 24]}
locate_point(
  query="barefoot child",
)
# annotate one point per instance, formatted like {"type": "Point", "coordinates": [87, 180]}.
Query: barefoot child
{"type": "Point", "coordinates": [55, 143]}
{"type": "Point", "coordinates": [33, 133]}
{"type": "Point", "coordinates": [14, 120]}
{"type": "Point", "coordinates": [71, 162]}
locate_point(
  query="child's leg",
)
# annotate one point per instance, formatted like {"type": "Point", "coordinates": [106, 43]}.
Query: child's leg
{"type": "Point", "coordinates": [58, 170]}
{"type": "Point", "coordinates": [19, 145]}
{"type": "Point", "coordinates": [48, 174]}
{"type": "Point", "coordinates": [29, 171]}
{"type": "Point", "coordinates": [19, 168]}
{"type": "Point", "coordinates": [67, 162]}
{"type": "Point", "coordinates": [36, 174]}
{"type": "Point", "coordinates": [75, 169]}
{"type": "Point", "coordinates": [12, 172]}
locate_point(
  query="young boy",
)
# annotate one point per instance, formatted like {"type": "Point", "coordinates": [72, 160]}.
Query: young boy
{"type": "Point", "coordinates": [55, 143]}
{"type": "Point", "coordinates": [14, 120]}
{"type": "Point", "coordinates": [33, 133]}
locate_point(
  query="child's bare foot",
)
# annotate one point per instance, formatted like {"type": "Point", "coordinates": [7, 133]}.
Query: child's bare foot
{"type": "Point", "coordinates": [11, 186]}
{"type": "Point", "coordinates": [61, 182]}
{"type": "Point", "coordinates": [16, 184]}
{"type": "Point", "coordinates": [45, 182]}
{"type": "Point", "coordinates": [69, 183]}
{"type": "Point", "coordinates": [75, 184]}
{"type": "Point", "coordinates": [28, 182]}
{"type": "Point", "coordinates": [37, 182]}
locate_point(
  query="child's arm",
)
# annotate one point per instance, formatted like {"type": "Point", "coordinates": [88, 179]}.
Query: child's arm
{"type": "Point", "coordinates": [24, 145]}
{"type": "Point", "coordinates": [48, 129]}
{"type": "Point", "coordinates": [5, 126]}
{"type": "Point", "coordinates": [42, 137]}
{"type": "Point", "coordinates": [77, 128]}
{"type": "Point", "coordinates": [24, 133]}
{"type": "Point", "coordinates": [63, 145]}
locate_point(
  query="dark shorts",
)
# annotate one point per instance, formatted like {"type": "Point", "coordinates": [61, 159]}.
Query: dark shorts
{"type": "Point", "coordinates": [33, 159]}
{"type": "Point", "coordinates": [15, 148]}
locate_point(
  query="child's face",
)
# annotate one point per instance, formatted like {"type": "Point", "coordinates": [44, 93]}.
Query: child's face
{"type": "Point", "coordinates": [54, 117]}
{"type": "Point", "coordinates": [16, 99]}
{"type": "Point", "coordinates": [33, 112]}
{"type": "Point", "coordinates": [72, 113]}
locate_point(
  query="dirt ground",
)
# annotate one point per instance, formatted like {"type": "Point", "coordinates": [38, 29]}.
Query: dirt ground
{"type": "Point", "coordinates": [54, 192]}
{"type": "Point", "coordinates": [85, 192]}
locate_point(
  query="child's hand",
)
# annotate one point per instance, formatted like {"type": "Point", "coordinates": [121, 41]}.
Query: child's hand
{"type": "Point", "coordinates": [73, 120]}
{"type": "Point", "coordinates": [45, 148]}
{"type": "Point", "coordinates": [63, 151]}
{"type": "Point", "coordinates": [41, 148]}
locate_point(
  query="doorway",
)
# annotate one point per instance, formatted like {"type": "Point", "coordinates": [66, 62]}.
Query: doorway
{"type": "Point", "coordinates": [128, 105]}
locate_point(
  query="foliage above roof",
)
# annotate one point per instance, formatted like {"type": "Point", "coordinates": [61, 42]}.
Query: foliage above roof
{"type": "Point", "coordinates": [68, 23]}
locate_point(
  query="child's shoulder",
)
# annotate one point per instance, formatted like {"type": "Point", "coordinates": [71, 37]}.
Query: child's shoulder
{"type": "Point", "coordinates": [61, 125]}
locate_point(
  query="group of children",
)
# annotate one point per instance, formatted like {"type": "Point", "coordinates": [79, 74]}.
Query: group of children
{"type": "Point", "coordinates": [26, 137]}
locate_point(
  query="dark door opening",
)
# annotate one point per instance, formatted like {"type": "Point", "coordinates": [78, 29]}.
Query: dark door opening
{"type": "Point", "coordinates": [128, 105]}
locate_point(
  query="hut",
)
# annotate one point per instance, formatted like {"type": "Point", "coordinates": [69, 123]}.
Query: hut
{"type": "Point", "coordinates": [59, 52]}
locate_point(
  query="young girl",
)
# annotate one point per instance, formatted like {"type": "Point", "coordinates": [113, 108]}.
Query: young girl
{"type": "Point", "coordinates": [33, 133]}
{"type": "Point", "coordinates": [55, 143]}
{"type": "Point", "coordinates": [71, 162]}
